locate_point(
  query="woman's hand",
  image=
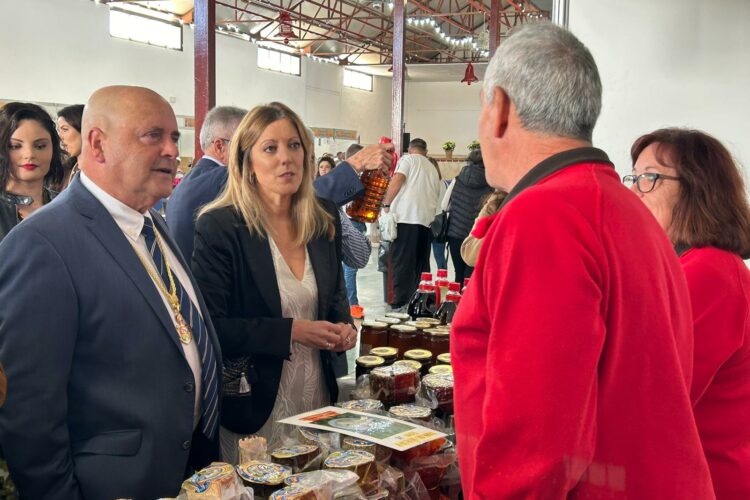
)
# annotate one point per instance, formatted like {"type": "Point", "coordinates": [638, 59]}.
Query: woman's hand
{"type": "Point", "coordinates": [316, 334]}
{"type": "Point", "coordinates": [347, 337]}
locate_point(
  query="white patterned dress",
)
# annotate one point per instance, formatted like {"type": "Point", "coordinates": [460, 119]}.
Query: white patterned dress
{"type": "Point", "coordinates": [302, 387]}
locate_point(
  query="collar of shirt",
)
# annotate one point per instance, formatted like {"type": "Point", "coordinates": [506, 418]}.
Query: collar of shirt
{"type": "Point", "coordinates": [213, 159]}
{"type": "Point", "coordinates": [130, 221]}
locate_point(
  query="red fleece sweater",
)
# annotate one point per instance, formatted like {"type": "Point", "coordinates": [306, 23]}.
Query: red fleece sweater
{"type": "Point", "coordinates": [572, 351]}
{"type": "Point", "coordinates": [719, 284]}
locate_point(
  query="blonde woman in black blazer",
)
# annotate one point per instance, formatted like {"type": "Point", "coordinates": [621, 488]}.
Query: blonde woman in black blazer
{"type": "Point", "coordinates": [267, 259]}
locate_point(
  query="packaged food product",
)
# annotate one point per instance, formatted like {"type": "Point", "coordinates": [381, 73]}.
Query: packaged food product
{"type": "Point", "coordinates": [326, 483]}
{"type": "Point", "coordinates": [352, 443]}
{"type": "Point", "coordinates": [399, 316]}
{"type": "Point", "coordinates": [296, 457]}
{"type": "Point", "coordinates": [214, 482]}
{"type": "Point", "coordinates": [373, 334]}
{"type": "Point", "coordinates": [413, 412]}
{"type": "Point", "coordinates": [410, 363]}
{"type": "Point", "coordinates": [252, 448]}
{"type": "Point", "coordinates": [437, 341]}
{"type": "Point", "coordinates": [389, 354]}
{"type": "Point", "coordinates": [361, 463]}
{"type": "Point", "coordinates": [295, 492]}
{"type": "Point", "coordinates": [403, 338]}
{"type": "Point", "coordinates": [441, 370]}
{"type": "Point", "coordinates": [365, 364]}
{"type": "Point", "coordinates": [361, 405]}
{"type": "Point", "coordinates": [264, 477]}
{"type": "Point", "coordinates": [438, 390]}
{"type": "Point", "coordinates": [395, 384]}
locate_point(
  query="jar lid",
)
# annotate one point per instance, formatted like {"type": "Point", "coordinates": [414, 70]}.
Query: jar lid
{"type": "Point", "coordinates": [437, 332]}
{"type": "Point", "coordinates": [435, 380]}
{"type": "Point", "coordinates": [361, 405]}
{"type": "Point", "coordinates": [404, 328]}
{"type": "Point", "coordinates": [416, 365]}
{"type": "Point", "coordinates": [384, 352]}
{"type": "Point", "coordinates": [263, 473]}
{"type": "Point", "coordinates": [370, 361]}
{"type": "Point", "coordinates": [433, 321]}
{"type": "Point", "coordinates": [393, 370]}
{"type": "Point", "coordinates": [293, 451]}
{"type": "Point", "coordinates": [444, 327]}
{"type": "Point", "coordinates": [444, 358]}
{"type": "Point", "coordinates": [398, 316]}
{"type": "Point", "coordinates": [390, 321]}
{"type": "Point", "coordinates": [349, 458]}
{"type": "Point", "coordinates": [375, 324]}
{"type": "Point", "coordinates": [422, 325]}
{"type": "Point", "coordinates": [441, 370]}
{"type": "Point", "coordinates": [410, 411]}
{"type": "Point", "coordinates": [418, 354]}
{"type": "Point", "coordinates": [293, 492]}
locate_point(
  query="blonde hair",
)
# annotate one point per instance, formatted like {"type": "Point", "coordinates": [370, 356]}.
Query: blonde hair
{"type": "Point", "coordinates": [309, 218]}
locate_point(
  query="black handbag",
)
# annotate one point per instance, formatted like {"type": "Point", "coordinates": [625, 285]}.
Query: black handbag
{"type": "Point", "coordinates": [439, 227]}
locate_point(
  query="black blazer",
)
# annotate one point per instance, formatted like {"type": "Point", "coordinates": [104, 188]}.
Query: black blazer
{"type": "Point", "coordinates": [236, 275]}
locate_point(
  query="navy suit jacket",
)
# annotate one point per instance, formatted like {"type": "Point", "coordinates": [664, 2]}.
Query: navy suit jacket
{"type": "Point", "coordinates": [200, 186]}
{"type": "Point", "coordinates": [101, 398]}
{"type": "Point", "coordinates": [206, 180]}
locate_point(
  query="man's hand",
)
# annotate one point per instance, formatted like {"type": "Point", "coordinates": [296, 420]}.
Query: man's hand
{"type": "Point", "coordinates": [375, 156]}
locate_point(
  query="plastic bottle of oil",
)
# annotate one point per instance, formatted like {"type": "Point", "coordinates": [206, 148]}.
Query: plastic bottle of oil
{"type": "Point", "coordinates": [367, 207]}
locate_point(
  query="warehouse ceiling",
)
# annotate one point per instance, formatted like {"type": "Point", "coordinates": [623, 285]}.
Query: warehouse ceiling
{"type": "Point", "coordinates": [360, 32]}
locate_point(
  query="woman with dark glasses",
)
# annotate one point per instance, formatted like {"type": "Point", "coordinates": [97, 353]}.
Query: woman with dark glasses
{"type": "Point", "coordinates": [695, 190]}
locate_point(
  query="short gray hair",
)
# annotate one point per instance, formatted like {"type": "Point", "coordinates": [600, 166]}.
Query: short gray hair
{"type": "Point", "coordinates": [551, 79]}
{"type": "Point", "coordinates": [220, 123]}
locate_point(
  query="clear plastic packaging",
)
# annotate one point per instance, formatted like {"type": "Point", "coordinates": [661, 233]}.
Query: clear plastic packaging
{"type": "Point", "coordinates": [218, 481]}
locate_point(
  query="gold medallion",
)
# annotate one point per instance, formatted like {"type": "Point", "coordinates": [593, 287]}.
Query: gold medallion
{"type": "Point", "coordinates": [183, 329]}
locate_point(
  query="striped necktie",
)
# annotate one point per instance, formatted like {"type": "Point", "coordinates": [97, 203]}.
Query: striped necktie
{"type": "Point", "coordinates": [210, 409]}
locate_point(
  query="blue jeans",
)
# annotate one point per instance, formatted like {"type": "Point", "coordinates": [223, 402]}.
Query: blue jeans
{"type": "Point", "coordinates": [438, 249]}
{"type": "Point", "coordinates": [350, 273]}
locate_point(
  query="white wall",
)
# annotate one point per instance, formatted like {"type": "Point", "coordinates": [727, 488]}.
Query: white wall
{"type": "Point", "coordinates": [59, 51]}
{"type": "Point", "coordinates": [443, 111]}
{"type": "Point", "coordinates": [669, 63]}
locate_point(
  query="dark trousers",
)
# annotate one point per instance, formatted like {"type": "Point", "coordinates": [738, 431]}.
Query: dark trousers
{"type": "Point", "coordinates": [409, 257]}
{"type": "Point", "coordinates": [462, 269]}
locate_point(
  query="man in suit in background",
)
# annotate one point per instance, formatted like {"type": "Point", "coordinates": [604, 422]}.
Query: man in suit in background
{"type": "Point", "coordinates": [104, 335]}
{"type": "Point", "coordinates": [206, 179]}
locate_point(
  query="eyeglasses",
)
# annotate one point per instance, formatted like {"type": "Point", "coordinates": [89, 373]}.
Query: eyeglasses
{"type": "Point", "coordinates": [645, 183]}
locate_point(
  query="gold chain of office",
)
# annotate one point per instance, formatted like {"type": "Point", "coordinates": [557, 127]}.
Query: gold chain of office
{"type": "Point", "coordinates": [183, 328]}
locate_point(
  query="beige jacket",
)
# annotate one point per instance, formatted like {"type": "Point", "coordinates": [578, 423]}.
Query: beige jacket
{"type": "Point", "coordinates": [471, 245]}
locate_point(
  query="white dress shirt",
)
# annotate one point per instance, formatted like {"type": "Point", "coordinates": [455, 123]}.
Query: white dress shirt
{"type": "Point", "coordinates": [130, 222]}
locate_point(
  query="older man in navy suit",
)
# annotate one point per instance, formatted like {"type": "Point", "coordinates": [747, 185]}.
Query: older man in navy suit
{"type": "Point", "coordinates": [112, 360]}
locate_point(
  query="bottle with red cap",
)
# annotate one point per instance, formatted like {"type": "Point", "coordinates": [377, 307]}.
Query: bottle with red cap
{"type": "Point", "coordinates": [367, 207]}
{"type": "Point", "coordinates": [448, 308]}
{"type": "Point", "coordinates": [441, 286]}
{"type": "Point", "coordinates": [422, 303]}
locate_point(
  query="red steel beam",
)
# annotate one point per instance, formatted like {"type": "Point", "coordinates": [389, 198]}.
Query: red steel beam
{"type": "Point", "coordinates": [494, 25]}
{"type": "Point", "coordinates": [205, 65]}
{"type": "Point", "coordinates": [448, 20]}
{"type": "Point", "coordinates": [397, 93]}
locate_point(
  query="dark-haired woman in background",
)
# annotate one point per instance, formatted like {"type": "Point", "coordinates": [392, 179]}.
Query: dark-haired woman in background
{"type": "Point", "coordinates": [29, 161]}
{"type": "Point", "coordinates": [695, 190]}
{"type": "Point", "coordinates": [325, 165]}
{"type": "Point", "coordinates": [69, 128]}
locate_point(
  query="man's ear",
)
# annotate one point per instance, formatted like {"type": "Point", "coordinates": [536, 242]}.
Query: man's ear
{"type": "Point", "coordinates": [96, 139]}
{"type": "Point", "coordinates": [499, 112]}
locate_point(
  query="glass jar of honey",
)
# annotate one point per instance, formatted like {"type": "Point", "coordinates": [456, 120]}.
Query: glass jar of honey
{"type": "Point", "coordinates": [424, 357]}
{"type": "Point", "coordinates": [389, 354]}
{"type": "Point", "coordinates": [365, 364]}
{"type": "Point", "coordinates": [403, 338]}
{"type": "Point", "coordinates": [416, 365]}
{"type": "Point", "coordinates": [402, 317]}
{"type": "Point", "coordinates": [444, 359]}
{"type": "Point", "coordinates": [388, 320]}
{"type": "Point", "coordinates": [373, 334]}
{"type": "Point", "coordinates": [437, 341]}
